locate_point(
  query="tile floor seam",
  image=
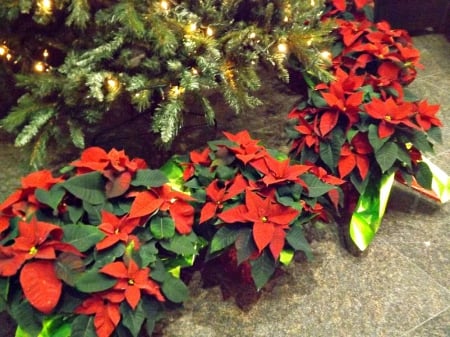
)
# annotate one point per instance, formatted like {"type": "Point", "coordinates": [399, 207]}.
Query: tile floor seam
{"type": "Point", "coordinates": [416, 265]}
{"type": "Point", "coordinates": [425, 322]}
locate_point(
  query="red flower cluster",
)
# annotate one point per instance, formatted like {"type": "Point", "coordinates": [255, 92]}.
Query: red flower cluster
{"type": "Point", "coordinates": [253, 188]}
{"type": "Point", "coordinates": [373, 66]}
{"type": "Point", "coordinates": [114, 165]}
{"type": "Point", "coordinates": [23, 202]}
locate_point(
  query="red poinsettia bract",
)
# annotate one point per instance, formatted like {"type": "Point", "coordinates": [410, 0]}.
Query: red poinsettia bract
{"type": "Point", "coordinates": [247, 148]}
{"type": "Point", "coordinates": [131, 280]}
{"type": "Point", "coordinates": [390, 113]}
{"type": "Point", "coordinates": [269, 219]}
{"type": "Point", "coordinates": [354, 155]}
{"type": "Point", "coordinates": [115, 166]}
{"type": "Point", "coordinates": [39, 242]}
{"type": "Point", "coordinates": [23, 202]}
{"type": "Point", "coordinates": [217, 195]}
{"type": "Point", "coordinates": [276, 171]}
{"type": "Point", "coordinates": [164, 198]}
{"type": "Point", "coordinates": [105, 307]}
{"type": "Point", "coordinates": [117, 230]}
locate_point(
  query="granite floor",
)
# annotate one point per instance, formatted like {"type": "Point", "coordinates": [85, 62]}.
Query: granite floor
{"type": "Point", "coordinates": [400, 287]}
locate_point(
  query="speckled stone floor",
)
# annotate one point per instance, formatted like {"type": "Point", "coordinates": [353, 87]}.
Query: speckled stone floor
{"type": "Point", "coordinates": [400, 288]}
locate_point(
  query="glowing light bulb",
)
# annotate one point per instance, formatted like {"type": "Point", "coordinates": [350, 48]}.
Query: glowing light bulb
{"type": "Point", "coordinates": [176, 91]}
{"type": "Point", "coordinates": [283, 48]}
{"type": "Point", "coordinates": [313, 3]}
{"type": "Point", "coordinates": [164, 5]}
{"type": "Point", "coordinates": [309, 42]}
{"type": "Point", "coordinates": [192, 27]}
{"type": "Point", "coordinates": [39, 67]}
{"type": "Point", "coordinates": [45, 53]}
{"type": "Point", "coordinates": [9, 57]}
{"type": "Point", "coordinates": [326, 55]}
{"type": "Point", "coordinates": [3, 50]}
{"type": "Point", "coordinates": [194, 71]}
{"type": "Point", "coordinates": [209, 31]}
{"type": "Point", "coordinates": [45, 6]}
{"type": "Point", "coordinates": [286, 19]}
{"type": "Point", "coordinates": [112, 84]}
{"type": "Point", "coordinates": [252, 35]}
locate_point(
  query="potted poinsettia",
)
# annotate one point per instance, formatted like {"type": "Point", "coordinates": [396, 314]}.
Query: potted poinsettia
{"type": "Point", "coordinates": [96, 250]}
{"type": "Point", "coordinates": [253, 203]}
{"type": "Point", "coordinates": [364, 126]}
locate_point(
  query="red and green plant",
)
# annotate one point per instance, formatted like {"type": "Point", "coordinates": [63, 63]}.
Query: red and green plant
{"type": "Point", "coordinates": [365, 125]}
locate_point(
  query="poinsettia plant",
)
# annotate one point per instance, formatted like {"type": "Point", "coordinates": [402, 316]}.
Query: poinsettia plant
{"type": "Point", "coordinates": [364, 125]}
{"type": "Point", "coordinates": [96, 250]}
{"type": "Point", "coordinates": [252, 202]}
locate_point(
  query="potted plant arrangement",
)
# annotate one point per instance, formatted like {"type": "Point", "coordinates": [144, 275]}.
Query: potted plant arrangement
{"type": "Point", "coordinates": [365, 126]}
{"type": "Point", "coordinates": [105, 245]}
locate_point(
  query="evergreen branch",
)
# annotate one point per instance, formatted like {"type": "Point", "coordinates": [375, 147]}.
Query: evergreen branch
{"type": "Point", "coordinates": [79, 14]}
{"type": "Point", "coordinates": [40, 117]}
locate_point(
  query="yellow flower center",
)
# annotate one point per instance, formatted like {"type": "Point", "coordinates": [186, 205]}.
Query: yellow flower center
{"type": "Point", "coordinates": [130, 282]}
{"type": "Point", "coordinates": [33, 251]}
{"type": "Point", "coordinates": [264, 219]}
{"type": "Point", "coordinates": [388, 118]}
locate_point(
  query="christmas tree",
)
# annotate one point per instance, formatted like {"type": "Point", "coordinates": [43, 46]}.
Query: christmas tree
{"type": "Point", "coordinates": [68, 65]}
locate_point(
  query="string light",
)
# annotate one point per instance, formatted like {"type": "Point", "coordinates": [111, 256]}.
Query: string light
{"type": "Point", "coordinates": [164, 5]}
{"type": "Point", "coordinates": [9, 57]}
{"type": "Point", "coordinates": [192, 27]}
{"type": "Point", "coordinates": [112, 84]}
{"type": "Point", "coordinates": [3, 50]}
{"type": "Point", "coordinates": [326, 55]}
{"type": "Point", "coordinates": [45, 6]}
{"type": "Point", "coordinates": [39, 66]}
{"type": "Point", "coordinates": [313, 3]}
{"type": "Point", "coordinates": [45, 54]}
{"type": "Point", "coordinates": [209, 31]}
{"type": "Point", "coordinates": [176, 91]}
{"type": "Point", "coordinates": [252, 35]}
{"type": "Point", "coordinates": [194, 71]}
{"type": "Point", "coordinates": [283, 47]}
{"type": "Point", "coordinates": [309, 42]}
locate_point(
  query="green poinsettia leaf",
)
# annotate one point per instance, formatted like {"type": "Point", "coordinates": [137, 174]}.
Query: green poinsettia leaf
{"type": "Point", "coordinates": [149, 178]}
{"type": "Point", "coordinates": [162, 227]}
{"type": "Point", "coordinates": [435, 133]}
{"type": "Point", "coordinates": [4, 291]}
{"type": "Point", "coordinates": [421, 142]}
{"type": "Point", "coordinates": [75, 213]}
{"type": "Point", "coordinates": [225, 172]}
{"type": "Point", "coordinates": [424, 175]}
{"type": "Point", "coordinates": [296, 239]}
{"type": "Point", "coordinates": [244, 245]}
{"type": "Point", "coordinates": [147, 253]}
{"type": "Point", "coordinates": [386, 156]}
{"type": "Point", "coordinates": [83, 237]}
{"type": "Point", "coordinates": [51, 197]}
{"type": "Point", "coordinates": [181, 244]}
{"type": "Point", "coordinates": [88, 187]}
{"type": "Point", "coordinates": [374, 140]}
{"type": "Point", "coordinates": [133, 319]}
{"type": "Point", "coordinates": [83, 326]}
{"type": "Point", "coordinates": [68, 267]}
{"type": "Point", "coordinates": [93, 281]}
{"type": "Point", "coordinates": [223, 238]}
{"type": "Point", "coordinates": [317, 99]}
{"type": "Point", "coordinates": [29, 322]}
{"type": "Point", "coordinates": [153, 310]}
{"type": "Point", "coordinates": [175, 290]}
{"type": "Point", "coordinates": [262, 269]}
{"type": "Point", "coordinates": [326, 154]}
{"type": "Point", "coordinates": [108, 255]}
{"type": "Point", "coordinates": [316, 187]}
